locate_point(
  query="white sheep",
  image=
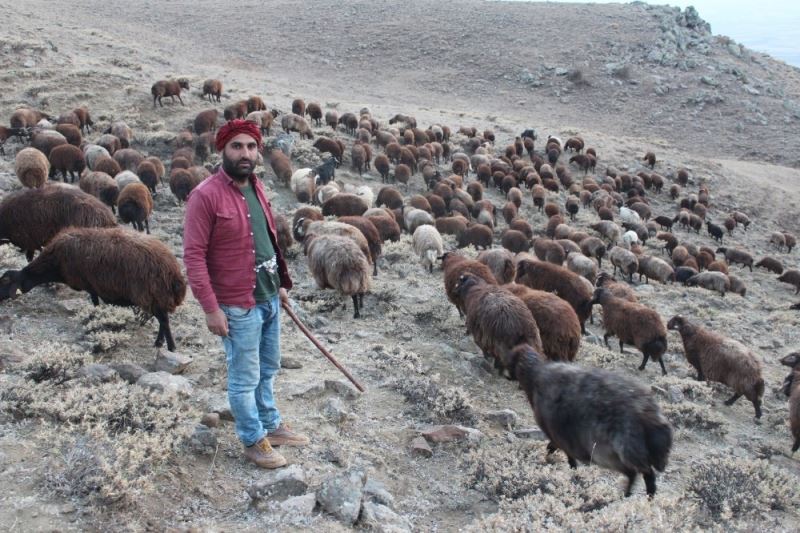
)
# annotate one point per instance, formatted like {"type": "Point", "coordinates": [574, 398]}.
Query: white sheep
{"type": "Point", "coordinates": [428, 245]}
{"type": "Point", "coordinates": [629, 216]}
{"type": "Point", "coordinates": [126, 177]}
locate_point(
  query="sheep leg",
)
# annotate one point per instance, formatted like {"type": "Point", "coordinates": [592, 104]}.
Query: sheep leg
{"type": "Point", "coordinates": [757, 405]}
{"type": "Point", "coordinates": [644, 361]}
{"type": "Point", "coordinates": [146, 226]}
{"type": "Point", "coordinates": [355, 306]}
{"type": "Point", "coordinates": [572, 462]}
{"type": "Point", "coordinates": [650, 483]}
{"type": "Point", "coordinates": [95, 298]}
{"type": "Point", "coordinates": [663, 368]}
{"type": "Point", "coordinates": [605, 339]}
{"type": "Point", "coordinates": [631, 474]}
{"type": "Point", "coordinates": [621, 350]}
{"type": "Point", "coordinates": [732, 399]}
{"type": "Point", "coordinates": [164, 330]}
{"type": "Point", "coordinates": [551, 448]}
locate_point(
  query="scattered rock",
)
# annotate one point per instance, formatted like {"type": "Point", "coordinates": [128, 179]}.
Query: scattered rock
{"type": "Point", "coordinates": [341, 495]}
{"type": "Point", "coordinates": [29, 63]}
{"type": "Point", "coordinates": [210, 419]}
{"type": "Point", "coordinates": [530, 433]}
{"type": "Point", "coordinates": [130, 372]}
{"type": "Point", "coordinates": [675, 394]}
{"type": "Point", "coordinates": [708, 80]}
{"type": "Point", "coordinates": [561, 72]}
{"type": "Point", "coordinates": [298, 508]}
{"type": "Point", "coordinates": [291, 363]}
{"type": "Point", "coordinates": [313, 391]}
{"type": "Point", "coordinates": [6, 325]}
{"type": "Point", "coordinates": [333, 410]}
{"type": "Point", "coordinates": [419, 446]}
{"type": "Point", "coordinates": [279, 484]}
{"type": "Point", "coordinates": [376, 491]}
{"type": "Point", "coordinates": [449, 432]}
{"type": "Point", "coordinates": [337, 455]}
{"type": "Point", "coordinates": [72, 305]}
{"type": "Point", "coordinates": [203, 439]}
{"type": "Point", "coordinates": [505, 418]}
{"type": "Point", "coordinates": [219, 404]}
{"type": "Point", "coordinates": [172, 362]}
{"type": "Point", "coordinates": [98, 373]}
{"type": "Point", "coordinates": [381, 518]}
{"type": "Point", "coordinates": [167, 383]}
{"type": "Point", "coordinates": [342, 389]}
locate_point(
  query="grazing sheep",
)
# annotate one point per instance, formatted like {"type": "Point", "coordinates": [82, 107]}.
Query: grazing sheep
{"type": "Point", "coordinates": [263, 119]}
{"type": "Point", "coordinates": [101, 186]}
{"type": "Point", "coordinates": [382, 166]}
{"type": "Point", "coordinates": [181, 183]}
{"type": "Point", "coordinates": [386, 224]}
{"type": "Point", "coordinates": [390, 197]}
{"type": "Point", "coordinates": [107, 165]}
{"type": "Point", "coordinates": [633, 323]}
{"type": "Point", "coordinates": [520, 224]}
{"type": "Point", "coordinates": [683, 273]}
{"type": "Point", "coordinates": [734, 256]}
{"type": "Point", "coordinates": [791, 388]}
{"type": "Point", "coordinates": [477, 235]}
{"type": "Point", "coordinates": [117, 266]}
{"type": "Point", "coordinates": [737, 286]}
{"type": "Point", "coordinates": [372, 236]}
{"type": "Point", "coordinates": [582, 265]}
{"type": "Point", "coordinates": [593, 247]}
{"type": "Point", "coordinates": [135, 206]}
{"type": "Point", "coordinates": [294, 122]}
{"type": "Point", "coordinates": [596, 416]}
{"type": "Point", "coordinates": [31, 167]}
{"type": "Point", "coordinates": [358, 158]}
{"type": "Point", "coordinates": [607, 229]}
{"type": "Point", "coordinates": [148, 175]}
{"type": "Point", "coordinates": [569, 286]}
{"type": "Point", "coordinates": [650, 158]}
{"type": "Point", "coordinates": [129, 159]}
{"type": "Point", "coordinates": [791, 276]}
{"type": "Point", "coordinates": [93, 152]}
{"type": "Point", "coordinates": [501, 263]}
{"type": "Point", "coordinates": [741, 218]}
{"type": "Point", "coordinates": [451, 225]}
{"type": "Point", "coordinates": [625, 260]}
{"type": "Point", "coordinates": [26, 118]}
{"type": "Point", "coordinates": [206, 121]}
{"type": "Point", "coordinates": [110, 142]}
{"type": "Point", "coordinates": [655, 268]}
{"type": "Point", "coordinates": [67, 158]}
{"type": "Point", "coordinates": [791, 241]}
{"type": "Point", "coordinates": [332, 146]}
{"type": "Point", "coordinates": [497, 320]}
{"type": "Point", "coordinates": [332, 119]}
{"type": "Point", "coordinates": [304, 229]}
{"type": "Point", "coordinates": [314, 112]}
{"type": "Point", "coordinates": [344, 204]}
{"type": "Point", "coordinates": [713, 281]}
{"type": "Point", "coordinates": [281, 166]}
{"type": "Point", "coordinates": [338, 263]}
{"type": "Point", "coordinates": [212, 88]}
{"type": "Point", "coordinates": [558, 324]}
{"type": "Point", "coordinates": [427, 245]}
{"type": "Point", "coordinates": [547, 250]}
{"type": "Point", "coordinates": [402, 174]}
{"type": "Point", "coordinates": [618, 289]}
{"type": "Point", "coordinates": [516, 242]}
{"type": "Point", "coordinates": [771, 264]}
{"type": "Point", "coordinates": [298, 107]}
{"type": "Point", "coordinates": [171, 88]}
{"type": "Point", "coordinates": [721, 359]}
{"type": "Point", "coordinates": [306, 213]}
{"type": "Point", "coordinates": [235, 110]}
{"type": "Point", "coordinates": [71, 133]}
{"type": "Point", "coordinates": [414, 218]}
{"type": "Point", "coordinates": [664, 222]}
{"type": "Point", "coordinates": [302, 185]}
{"type": "Point", "coordinates": [778, 240]}
{"type": "Point", "coordinates": [454, 266]}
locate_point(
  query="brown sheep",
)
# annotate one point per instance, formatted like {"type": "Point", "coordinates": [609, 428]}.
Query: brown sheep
{"type": "Point", "coordinates": [558, 324]}
{"type": "Point", "coordinates": [314, 112]}
{"type": "Point", "coordinates": [497, 320]}
{"type": "Point", "coordinates": [387, 226]}
{"type": "Point", "coordinates": [549, 251]}
{"type": "Point", "coordinates": [358, 157]}
{"type": "Point", "coordinates": [31, 167]}
{"type": "Point", "coordinates": [181, 183]}
{"type": "Point", "coordinates": [171, 88]}
{"type": "Point", "coordinates": [306, 213]}
{"type": "Point", "coordinates": [67, 158]}
{"type": "Point", "coordinates": [255, 103]}
{"type": "Point", "coordinates": [616, 288]}
{"type": "Point", "coordinates": [46, 140]}
{"type": "Point", "coordinates": [734, 256]}
{"type": "Point", "coordinates": [128, 158]}
{"type": "Point", "coordinates": [107, 165]}
{"type": "Point", "coordinates": [212, 88]}
{"type": "Point", "coordinates": [771, 264]}
{"type": "Point", "coordinates": [650, 158]}
{"type": "Point", "coordinates": [298, 107]}
{"type": "Point", "coordinates": [71, 133]}
{"type": "Point", "coordinates": [206, 121]}
{"type": "Point", "coordinates": [281, 166]}
{"type": "Point", "coordinates": [235, 110]}
{"type": "Point", "coordinates": [344, 204]}
{"type": "Point", "coordinates": [294, 122]}
{"type": "Point", "coordinates": [569, 286]}
{"type": "Point", "coordinates": [515, 241]}
{"type": "Point", "coordinates": [454, 266]}
{"type": "Point", "coordinates": [135, 206]}
{"type": "Point", "coordinates": [721, 359]}
{"type": "Point", "coordinates": [501, 262]}
{"type": "Point", "coordinates": [390, 197]}
{"type": "Point", "coordinates": [476, 235]}
{"type": "Point", "coordinates": [791, 276]}
{"type": "Point", "coordinates": [27, 118]}
{"type": "Point", "coordinates": [450, 225]}
{"type": "Point", "coordinates": [84, 118]}
{"type": "Point", "coordinates": [148, 174]}
{"type": "Point", "coordinates": [332, 146]}
{"type": "Point", "coordinates": [101, 186]}
{"type": "Point", "coordinates": [332, 119]}
{"type": "Point", "coordinates": [371, 233]}
{"type": "Point", "coordinates": [110, 142]}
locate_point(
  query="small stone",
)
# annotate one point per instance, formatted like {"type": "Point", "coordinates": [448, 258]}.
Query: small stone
{"type": "Point", "coordinates": [313, 391]}
{"type": "Point", "coordinates": [203, 439]}
{"type": "Point", "coordinates": [167, 383]}
{"type": "Point", "coordinates": [561, 72]}
{"type": "Point", "coordinates": [98, 373]}
{"type": "Point", "coordinates": [342, 389]}
{"type": "Point", "coordinates": [29, 63]}
{"type": "Point", "coordinates": [172, 362]}
{"type": "Point", "coordinates": [129, 372]}
{"type": "Point", "coordinates": [420, 447]}
{"type": "Point", "coordinates": [219, 404]}
{"type": "Point", "coordinates": [333, 410]}
{"type": "Point", "coordinates": [709, 81]}
{"type": "Point", "coordinates": [530, 433]}
{"type": "Point", "coordinates": [505, 418]}
{"type": "Point", "coordinates": [298, 508]}
{"type": "Point", "coordinates": [210, 419]}
{"type": "Point", "coordinates": [380, 518]}
{"type": "Point", "coordinates": [376, 491]}
{"type": "Point", "coordinates": [752, 90]}
{"type": "Point", "coordinates": [6, 325]}
{"type": "Point", "coordinates": [291, 363]}
{"type": "Point", "coordinates": [361, 334]}
{"type": "Point", "coordinates": [280, 484]}
{"type": "Point", "coordinates": [449, 433]}
{"type": "Point", "coordinates": [675, 394]}
{"type": "Point", "coordinates": [73, 304]}
{"type": "Point", "coordinates": [341, 495]}
{"type": "Point", "coordinates": [67, 508]}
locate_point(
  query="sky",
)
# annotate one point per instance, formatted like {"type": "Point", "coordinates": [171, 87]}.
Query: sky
{"type": "Point", "coordinates": [771, 26]}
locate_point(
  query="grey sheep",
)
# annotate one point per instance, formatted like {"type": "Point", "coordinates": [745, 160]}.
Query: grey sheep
{"type": "Point", "coordinates": [501, 262]}
{"type": "Point", "coordinates": [337, 263]}
{"type": "Point", "coordinates": [713, 281]}
{"type": "Point", "coordinates": [733, 256]}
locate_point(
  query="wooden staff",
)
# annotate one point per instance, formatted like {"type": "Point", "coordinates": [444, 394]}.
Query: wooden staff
{"type": "Point", "coordinates": [321, 348]}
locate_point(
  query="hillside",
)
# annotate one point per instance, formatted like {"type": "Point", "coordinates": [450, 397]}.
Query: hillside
{"type": "Point", "coordinates": [94, 452]}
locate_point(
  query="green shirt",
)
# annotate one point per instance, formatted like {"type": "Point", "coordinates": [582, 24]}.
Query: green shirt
{"type": "Point", "coordinates": [267, 280]}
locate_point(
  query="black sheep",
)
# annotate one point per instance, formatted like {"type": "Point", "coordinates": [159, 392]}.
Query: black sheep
{"type": "Point", "coordinates": [326, 171]}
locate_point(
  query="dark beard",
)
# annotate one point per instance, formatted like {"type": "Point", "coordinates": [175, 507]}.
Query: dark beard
{"type": "Point", "coordinates": [233, 170]}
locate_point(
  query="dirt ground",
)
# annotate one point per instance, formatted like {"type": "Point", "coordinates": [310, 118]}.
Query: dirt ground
{"type": "Point", "coordinates": [501, 65]}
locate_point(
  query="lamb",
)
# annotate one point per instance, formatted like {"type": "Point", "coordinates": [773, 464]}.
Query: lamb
{"type": "Point", "coordinates": [596, 416]}
{"type": "Point", "coordinates": [633, 323]}
{"type": "Point", "coordinates": [206, 121]}
{"type": "Point", "coordinates": [721, 359]}
{"type": "Point", "coordinates": [569, 286]}
{"type": "Point", "coordinates": [625, 260]}
{"type": "Point", "coordinates": [655, 268]}
{"type": "Point", "coordinates": [135, 206]}
{"type": "Point", "coordinates": [314, 112]}
{"type": "Point", "coordinates": [67, 158]}
{"type": "Point", "coordinates": [371, 234]}
{"type": "Point", "coordinates": [733, 256]}
{"type": "Point", "coordinates": [294, 122]}
{"type": "Point", "coordinates": [713, 281]}
{"type": "Point", "coordinates": [476, 235]}
{"type": "Point", "coordinates": [112, 264]}
{"type": "Point", "coordinates": [428, 245]}
{"type": "Point", "coordinates": [501, 263]}
{"type": "Point", "coordinates": [497, 320]}
{"type": "Point", "coordinates": [791, 388]}
{"type": "Point", "coordinates": [212, 88]}
{"type": "Point", "coordinates": [302, 184]}
{"type": "Point", "coordinates": [337, 263]}
{"type": "Point", "coordinates": [171, 88]}
{"type": "Point", "coordinates": [31, 167]}
{"type": "Point", "coordinates": [771, 264]}
{"type": "Point", "coordinates": [791, 276]}
{"type": "Point", "coordinates": [558, 324]}
{"type": "Point", "coordinates": [101, 186]}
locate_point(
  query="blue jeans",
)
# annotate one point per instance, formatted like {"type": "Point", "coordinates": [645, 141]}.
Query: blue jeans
{"type": "Point", "coordinates": [253, 355]}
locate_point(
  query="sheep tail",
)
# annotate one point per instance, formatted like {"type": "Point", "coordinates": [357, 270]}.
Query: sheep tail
{"type": "Point", "coordinates": [655, 348]}
{"type": "Point", "coordinates": [658, 439]}
{"type": "Point", "coordinates": [759, 388]}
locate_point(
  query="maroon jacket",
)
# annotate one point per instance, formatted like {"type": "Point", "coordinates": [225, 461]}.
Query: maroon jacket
{"type": "Point", "coordinates": [218, 246]}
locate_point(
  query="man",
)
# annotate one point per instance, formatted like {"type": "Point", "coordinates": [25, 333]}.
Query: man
{"type": "Point", "coordinates": [239, 276]}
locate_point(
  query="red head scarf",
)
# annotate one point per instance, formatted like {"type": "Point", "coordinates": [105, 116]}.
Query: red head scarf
{"type": "Point", "coordinates": [235, 127]}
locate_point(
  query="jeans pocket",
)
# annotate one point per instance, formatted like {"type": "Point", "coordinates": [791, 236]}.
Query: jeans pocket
{"type": "Point", "coordinates": [233, 312]}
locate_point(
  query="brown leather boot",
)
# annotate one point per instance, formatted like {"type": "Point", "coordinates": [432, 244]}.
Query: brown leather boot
{"type": "Point", "coordinates": [262, 454]}
{"type": "Point", "coordinates": [284, 436]}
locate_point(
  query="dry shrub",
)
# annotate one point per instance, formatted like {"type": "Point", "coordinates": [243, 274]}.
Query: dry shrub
{"type": "Point", "coordinates": [397, 359]}
{"type": "Point", "coordinates": [108, 326]}
{"type": "Point", "coordinates": [737, 488]}
{"type": "Point", "coordinates": [691, 416]}
{"type": "Point", "coordinates": [697, 391]}
{"type": "Point", "coordinates": [112, 438]}
{"type": "Point", "coordinates": [435, 401]}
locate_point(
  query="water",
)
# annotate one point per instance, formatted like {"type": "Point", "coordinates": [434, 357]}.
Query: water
{"type": "Point", "coordinates": [769, 26]}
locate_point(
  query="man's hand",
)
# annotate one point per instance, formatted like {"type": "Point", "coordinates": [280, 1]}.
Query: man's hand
{"type": "Point", "coordinates": [284, 296]}
{"type": "Point", "coordinates": [217, 323]}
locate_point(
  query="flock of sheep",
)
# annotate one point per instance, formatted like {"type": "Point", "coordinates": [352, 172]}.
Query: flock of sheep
{"type": "Point", "coordinates": [525, 302]}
